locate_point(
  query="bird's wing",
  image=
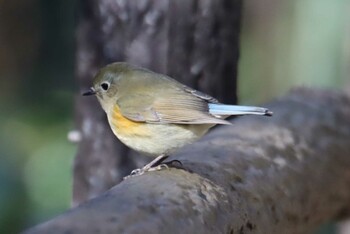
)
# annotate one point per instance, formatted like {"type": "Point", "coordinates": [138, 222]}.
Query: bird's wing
{"type": "Point", "coordinates": [178, 106]}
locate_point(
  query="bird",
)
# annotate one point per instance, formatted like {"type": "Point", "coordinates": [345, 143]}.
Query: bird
{"type": "Point", "coordinates": [156, 115]}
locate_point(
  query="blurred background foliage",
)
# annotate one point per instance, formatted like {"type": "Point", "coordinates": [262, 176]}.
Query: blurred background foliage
{"type": "Point", "coordinates": [36, 106]}
{"type": "Point", "coordinates": [287, 43]}
{"type": "Point", "coordinates": [284, 43]}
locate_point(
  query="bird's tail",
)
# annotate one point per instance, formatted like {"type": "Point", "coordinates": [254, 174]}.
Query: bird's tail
{"type": "Point", "coordinates": [221, 109]}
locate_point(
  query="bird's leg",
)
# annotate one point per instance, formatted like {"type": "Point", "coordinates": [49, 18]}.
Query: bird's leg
{"type": "Point", "coordinates": [154, 165]}
{"type": "Point", "coordinates": [155, 162]}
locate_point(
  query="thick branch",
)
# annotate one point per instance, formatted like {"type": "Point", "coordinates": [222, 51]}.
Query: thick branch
{"type": "Point", "coordinates": [285, 174]}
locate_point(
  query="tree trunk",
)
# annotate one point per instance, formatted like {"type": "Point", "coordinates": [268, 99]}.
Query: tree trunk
{"type": "Point", "coordinates": [285, 174]}
{"type": "Point", "coordinates": [194, 41]}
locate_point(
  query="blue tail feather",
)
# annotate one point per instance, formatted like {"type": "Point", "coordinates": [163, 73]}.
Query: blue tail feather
{"type": "Point", "coordinates": [221, 109]}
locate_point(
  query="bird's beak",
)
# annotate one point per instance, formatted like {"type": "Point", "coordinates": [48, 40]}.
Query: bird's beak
{"type": "Point", "coordinates": [91, 91]}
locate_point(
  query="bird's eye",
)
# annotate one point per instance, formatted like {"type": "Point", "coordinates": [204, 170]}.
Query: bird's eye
{"type": "Point", "coordinates": [105, 86]}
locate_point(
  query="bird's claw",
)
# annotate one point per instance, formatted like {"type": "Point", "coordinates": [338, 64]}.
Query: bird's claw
{"type": "Point", "coordinates": [137, 171]}
{"type": "Point", "coordinates": [159, 167]}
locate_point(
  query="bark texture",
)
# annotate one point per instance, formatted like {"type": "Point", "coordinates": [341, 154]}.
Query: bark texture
{"type": "Point", "coordinates": [284, 174]}
{"type": "Point", "coordinates": [194, 41]}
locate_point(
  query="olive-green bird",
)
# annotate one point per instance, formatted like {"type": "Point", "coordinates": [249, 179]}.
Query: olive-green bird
{"type": "Point", "coordinates": [155, 114]}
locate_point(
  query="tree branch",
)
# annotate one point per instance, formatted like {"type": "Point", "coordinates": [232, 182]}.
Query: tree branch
{"type": "Point", "coordinates": [285, 174]}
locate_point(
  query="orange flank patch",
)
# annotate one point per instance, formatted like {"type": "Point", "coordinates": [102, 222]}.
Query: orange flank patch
{"type": "Point", "coordinates": [126, 127]}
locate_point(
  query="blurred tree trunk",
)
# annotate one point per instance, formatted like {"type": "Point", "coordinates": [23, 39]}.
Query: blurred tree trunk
{"type": "Point", "coordinates": [194, 41]}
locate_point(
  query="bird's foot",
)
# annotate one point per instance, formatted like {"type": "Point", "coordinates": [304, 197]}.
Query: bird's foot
{"type": "Point", "coordinates": [159, 167]}
{"type": "Point", "coordinates": [154, 165]}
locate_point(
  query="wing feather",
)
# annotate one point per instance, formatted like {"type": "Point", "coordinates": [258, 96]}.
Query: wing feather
{"type": "Point", "coordinates": [177, 106]}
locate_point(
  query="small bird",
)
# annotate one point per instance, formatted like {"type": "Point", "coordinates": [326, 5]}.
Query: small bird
{"type": "Point", "coordinates": [155, 114]}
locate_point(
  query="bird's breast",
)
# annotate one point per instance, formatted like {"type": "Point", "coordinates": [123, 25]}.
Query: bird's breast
{"type": "Point", "coordinates": [124, 127]}
{"type": "Point", "coordinates": [153, 139]}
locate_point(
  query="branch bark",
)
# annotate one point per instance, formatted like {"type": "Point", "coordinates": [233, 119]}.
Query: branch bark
{"type": "Point", "coordinates": [285, 174]}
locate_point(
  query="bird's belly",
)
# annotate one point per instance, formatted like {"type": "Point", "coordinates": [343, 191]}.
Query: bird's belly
{"type": "Point", "coordinates": [154, 139]}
